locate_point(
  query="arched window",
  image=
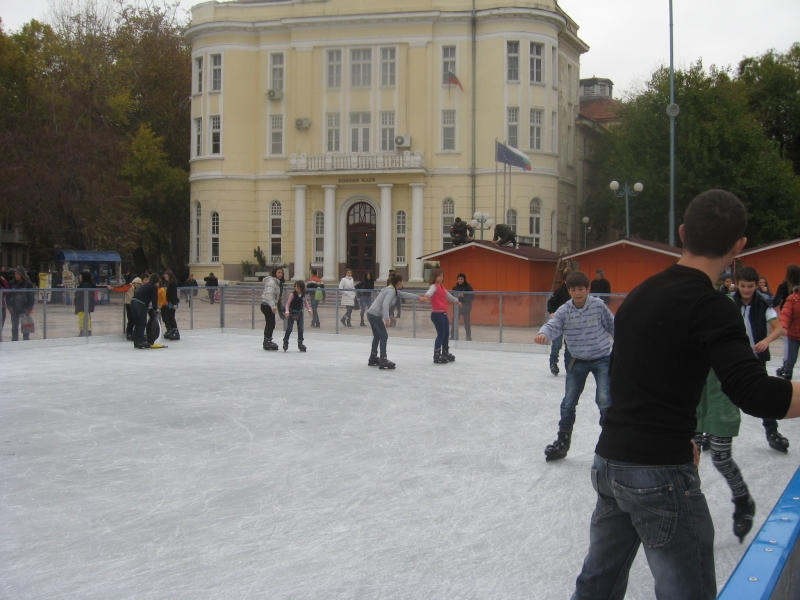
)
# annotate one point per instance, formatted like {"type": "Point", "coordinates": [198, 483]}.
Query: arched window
{"type": "Point", "coordinates": [535, 221]}
{"type": "Point", "coordinates": [198, 214]}
{"type": "Point", "coordinates": [400, 237]}
{"type": "Point", "coordinates": [511, 219]}
{"type": "Point", "coordinates": [275, 233]}
{"type": "Point", "coordinates": [448, 216]}
{"type": "Point", "coordinates": [319, 236]}
{"type": "Point", "coordinates": [215, 237]}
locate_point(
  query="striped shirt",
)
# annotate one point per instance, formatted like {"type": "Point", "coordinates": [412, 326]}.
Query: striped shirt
{"type": "Point", "coordinates": [587, 331]}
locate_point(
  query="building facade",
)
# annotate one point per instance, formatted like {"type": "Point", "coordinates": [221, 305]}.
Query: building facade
{"type": "Point", "coordinates": [341, 134]}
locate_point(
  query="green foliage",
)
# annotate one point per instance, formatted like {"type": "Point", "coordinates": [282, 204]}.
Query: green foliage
{"type": "Point", "coordinates": [718, 145]}
{"type": "Point", "coordinates": [247, 268]}
{"type": "Point", "coordinates": [259, 256]}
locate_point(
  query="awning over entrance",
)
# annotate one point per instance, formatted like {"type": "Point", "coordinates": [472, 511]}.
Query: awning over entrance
{"type": "Point", "coordinates": [86, 256]}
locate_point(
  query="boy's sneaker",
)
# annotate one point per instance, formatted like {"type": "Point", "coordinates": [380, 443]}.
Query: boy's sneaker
{"type": "Point", "coordinates": [554, 368]}
{"type": "Point", "coordinates": [777, 441]}
{"type": "Point", "coordinates": [560, 447]}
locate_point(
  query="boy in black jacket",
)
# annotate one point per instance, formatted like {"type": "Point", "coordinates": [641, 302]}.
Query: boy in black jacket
{"type": "Point", "coordinates": [463, 291]}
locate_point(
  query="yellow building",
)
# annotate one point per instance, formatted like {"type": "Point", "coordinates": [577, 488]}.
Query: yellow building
{"type": "Point", "coordinates": [330, 133]}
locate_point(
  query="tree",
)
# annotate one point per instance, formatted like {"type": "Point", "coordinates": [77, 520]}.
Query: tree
{"type": "Point", "coordinates": [719, 144]}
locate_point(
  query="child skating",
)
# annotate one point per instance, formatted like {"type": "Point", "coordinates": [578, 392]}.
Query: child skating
{"type": "Point", "coordinates": [790, 320]}
{"type": "Point", "coordinates": [378, 317]}
{"type": "Point", "coordinates": [439, 297]}
{"type": "Point", "coordinates": [294, 314]}
{"type": "Point", "coordinates": [587, 326]}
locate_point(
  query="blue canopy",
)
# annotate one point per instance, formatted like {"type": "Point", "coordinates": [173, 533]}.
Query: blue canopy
{"type": "Point", "coordinates": [88, 256]}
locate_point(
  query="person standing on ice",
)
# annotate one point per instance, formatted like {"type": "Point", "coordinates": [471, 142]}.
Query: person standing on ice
{"type": "Point", "coordinates": [588, 327]}
{"type": "Point", "coordinates": [439, 297]}
{"type": "Point", "coordinates": [348, 297]}
{"type": "Point", "coordinates": [669, 331]}
{"type": "Point", "coordinates": [294, 312]}
{"type": "Point", "coordinates": [270, 301]}
{"type": "Point", "coordinates": [378, 317]}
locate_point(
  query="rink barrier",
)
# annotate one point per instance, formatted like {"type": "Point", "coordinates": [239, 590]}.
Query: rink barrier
{"type": "Point", "coordinates": [770, 569]}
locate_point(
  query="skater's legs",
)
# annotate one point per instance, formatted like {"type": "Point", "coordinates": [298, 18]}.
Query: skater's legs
{"type": "Point", "coordinates": [465, 312]}
{"type": "Point", "coordinates": [379, 333]}
{"type": "Point", "coordinates": [288, 328]}
{"type": "Point", "coordinates": [721, 456]}
{"type": "Point", "coordinates": [129, 323]}
{"type": "Point", "coordinates": [269, 321]}
{"type": "Point", "coordinates": [439, 321]}
{"type": "Point", "coordinates": [602, 379]}
{"type": "Point", "coordinates": [300, 328]}
{"type": "Point", "coordinates": [314, 313]}
{"type": "Point", "coordinates": [576, 380]}
{"type": "Point", "coordinates": [555, 349]}
{"type": "Point", "coordinates": [140, 321]}
{"type": "Point", "coordinates": [791, 357]}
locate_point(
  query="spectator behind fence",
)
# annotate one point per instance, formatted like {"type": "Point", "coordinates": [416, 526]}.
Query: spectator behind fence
{"type": "Point", "coordinates": [316, 292]}
{"type": "Point", "coordinates": [601, 285]}
{"type": "Point", "coordinates": [365, 298]}
{"type": "Point", "coordinates": [127, 298]}
{"type": "Point", "coordinates": [20, 303]}
{"type": "Point", "coordinates": [191, 283]}
{"type": "Point", "coordinates": [84, 300]}
{"type": "Point", "coordinates": [3, 286]}
{"type": "Point", "coordinates": [463, 291]}
{"type": "Point", "coordinates": [212, 283]}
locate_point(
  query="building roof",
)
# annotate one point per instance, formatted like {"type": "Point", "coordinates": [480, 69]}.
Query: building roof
{"type": "Point", "coordinates": [769, 246]}
{"type": "Point", "coordinates": [600, 109]}
{"type": "Point", "coordinates": [523, 252]}
{"type": "Point", "coordinates": [645, 244]}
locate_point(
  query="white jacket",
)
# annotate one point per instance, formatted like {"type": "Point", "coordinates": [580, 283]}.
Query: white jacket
{"type": "Point", "coordinates": [272, 292]}
{"type": "Point", "coordinates": [349, 297]}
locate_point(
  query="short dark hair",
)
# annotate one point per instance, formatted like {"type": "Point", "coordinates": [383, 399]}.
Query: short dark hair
{"type": "Point", "coordinates": [154, 278]}
{"type": "Point", "coordinates": [793, 275]}
{"type": "Point", "coordinates": [577, 279]}
{"type": "Point", "coordinates": [713, 222]}
{"type": "Point", "coordinates": [458, 220]}
{"type": "Point", "coordinates": [314, 272]}
{"type": "Point", "coordinates": [747, 274]}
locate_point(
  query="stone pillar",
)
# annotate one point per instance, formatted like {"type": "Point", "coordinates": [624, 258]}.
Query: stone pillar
{"type": "Point", "coordinates": [329, 262]}
{"type": "Point", "coordinates": [300, 262]}
{"type": "Point", "coordinates": [385, 255]}
{"type": "Point", "coordinates": [417, 232]}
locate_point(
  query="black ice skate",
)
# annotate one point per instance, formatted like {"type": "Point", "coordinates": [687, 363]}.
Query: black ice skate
{"type": "Point", "coordinates": [300, 346]}
{"type": "Point", "coordinates": [777, 441]}
{"type": "Point", "coordinates": [385, 363]}
{"type": "Point", "coordinates": [554, 369]}
{"type": "Point", "coordinates": [285, 345]}
{"type": "Point", "coordinates": [743, 516]}
{"type": "Point", "coordinates": [438, 358]}
{"type": "Point", "coordinates": [702, 441]}
{"type": "Point", "coordinates": [446, 354]}
{"type": "Point", "coordinates": [269, 344]}
{"type": "Point", "coordinates": [373, 360]}
{"type": "Point", "coordinates": [560, 447]}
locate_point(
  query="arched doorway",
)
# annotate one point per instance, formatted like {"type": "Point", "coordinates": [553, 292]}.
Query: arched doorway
{"type": "Point", "coordinates": [361, 229]}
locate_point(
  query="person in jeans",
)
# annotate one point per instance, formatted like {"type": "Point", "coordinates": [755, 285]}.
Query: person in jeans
{"type": "Point", "coordinates": [588, 326]}
{"type": "Point", "coordinates": [669, 331]}
{"type": "Point", "coordinates": [559, 298]}
{"type": "Point", "coordinates": [439, 298]}
{"type": "Point", "coordinates": [316, 292]}
{"type": "Point", "coordinates": [464, 292]}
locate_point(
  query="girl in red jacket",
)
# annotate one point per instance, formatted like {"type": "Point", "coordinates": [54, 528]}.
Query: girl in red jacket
{"type": "Point", "coordinates": [439, 297]}
{"type": "Point", "coordinates": [790, 320]}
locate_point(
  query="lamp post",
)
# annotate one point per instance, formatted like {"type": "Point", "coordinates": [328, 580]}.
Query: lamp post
{"type": "Point", "coordinates": [482, 219]}
{"type": "Point", "coordinates": [626, 192]}
{"type": "Point", "coordinates": [585, 221]}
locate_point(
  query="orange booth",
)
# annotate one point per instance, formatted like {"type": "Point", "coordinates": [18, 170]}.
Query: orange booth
{"type": "Point", "coordinates": [627, 262]}
{"type": "Point", "coordinates": [771, 260]}
{"type": "Point", "coordinates": [501, 269]}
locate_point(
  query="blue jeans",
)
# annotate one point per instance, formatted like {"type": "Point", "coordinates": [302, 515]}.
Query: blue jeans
{"type": "Point", "coordinates": [555, 348]}
{"type": "Point", "coordinates": [290, 325]}
{"type": "Point", "coordinates": [379, 334]}
{"type": "Point", "coordinates": [576, 380]}
{"type": "Point", "coordinates": [442, 324]}
{"type": "Point", "coordinates": [791, 356]}
{"type": "Point", "coordinates": [662, 506]}
{"type": "Point", "coordinates": [314, 313]}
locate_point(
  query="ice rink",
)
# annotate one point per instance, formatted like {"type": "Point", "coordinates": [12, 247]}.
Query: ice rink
{"type": "Point", "coordinates": [213, 469]}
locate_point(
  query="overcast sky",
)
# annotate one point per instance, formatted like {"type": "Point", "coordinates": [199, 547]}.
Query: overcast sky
{"type": "Point", "coordinates": [628, 38]}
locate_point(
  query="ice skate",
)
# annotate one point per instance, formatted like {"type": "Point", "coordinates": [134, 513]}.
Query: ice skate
{"type": "Point", "coordinates": [373, 360]}
{"type": "Point", "coordinates": [702, 441]}
{"type": "Point", "coordinates": [777, 441]}
{"type": "Point", "coordinates": [269, 344]}
{"type": "Point", "coordinates": [554, 369]}
{"type": "Point", "coordinates": [446, 354]}
{"type": "Point", "coordinates": [385, 363]}
{"type": "Point", "coordinates": [743, 516]}
{"type": "Point", "coordinates": [300, 346]}
{"type": "Point", "coordinates": [285, 345]}
{"type": "Point", "coordinates": [560, 447]}
{"type": "Point", "coordinates": [438, 358]}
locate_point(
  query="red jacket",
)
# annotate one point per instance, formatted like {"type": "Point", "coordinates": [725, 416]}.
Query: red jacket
{"type": "Point", "coordinates": [790, 316]}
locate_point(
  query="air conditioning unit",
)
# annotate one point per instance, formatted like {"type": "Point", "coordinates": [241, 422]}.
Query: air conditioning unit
{"type": "Point", "coordinates": [275, 94]}
{"type": "Point", "coordinates": [402, 141]}
{"type": "Point", "coordinates": [302, 123]}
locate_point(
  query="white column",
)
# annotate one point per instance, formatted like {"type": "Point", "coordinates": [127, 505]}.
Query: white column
{"type": "Point", "coordinates": [300, 261]}
{"type": "Point", "coordinates": [385, 255]}
{"type": "Point", "coordinates": [329, 262]}
{"type": "Point", "coordinates": [417, 232]}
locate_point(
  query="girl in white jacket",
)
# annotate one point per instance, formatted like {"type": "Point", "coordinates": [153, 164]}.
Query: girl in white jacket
{"type": "Point", "coordinates": [273, 290]}
{"type": "Point", "coordinates": [348, 297]}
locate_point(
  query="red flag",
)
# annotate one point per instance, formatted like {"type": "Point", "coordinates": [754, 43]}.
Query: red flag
{"type": "Point", "coordinates": [453, 80]}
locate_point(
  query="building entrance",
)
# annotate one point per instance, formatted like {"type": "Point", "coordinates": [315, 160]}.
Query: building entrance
{"type": "Point", "coordinates": [361, 229]}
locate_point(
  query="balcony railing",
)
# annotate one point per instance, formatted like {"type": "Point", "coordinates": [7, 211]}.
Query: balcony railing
{"type": "Point", "coordinates": [357, 162]}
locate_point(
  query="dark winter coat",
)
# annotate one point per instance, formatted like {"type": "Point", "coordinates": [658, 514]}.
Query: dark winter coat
{"type": "Point", "coordinates": [558, 299]}
{"type": "Point", "coordinates": [147, 294]}
{"type": "Point", "coordinates": [462, 291]}
{"type": "Point", "coordinates": [80, 301]}
{"type": "Point", "coordinates": [781, 294]}
{"type": "Point", "coordinates": [21, 301]}
{"type": "Point", "coordinates": [758, 319]}
{"type": "Point", "coordinates": [366, 284]}
{"type": "Point", "coordinates": [600, 286]}
{"type": "Point", "coordinates": [172, 294]}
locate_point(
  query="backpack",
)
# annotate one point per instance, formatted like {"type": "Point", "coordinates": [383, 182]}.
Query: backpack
{"type": "Point", "coordinates": [319, 295]}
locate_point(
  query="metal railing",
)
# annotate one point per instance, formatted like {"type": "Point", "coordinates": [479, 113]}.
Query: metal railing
{"type": "Point", "coordinates": [491, 316]}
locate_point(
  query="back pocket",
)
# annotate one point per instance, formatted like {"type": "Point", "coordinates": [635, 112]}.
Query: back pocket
{"type": "Point", "coordinates": [653, 511]}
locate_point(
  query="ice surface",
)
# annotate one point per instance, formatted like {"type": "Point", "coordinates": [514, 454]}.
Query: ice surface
{"type": "Point", "coordinates": [213, 469]}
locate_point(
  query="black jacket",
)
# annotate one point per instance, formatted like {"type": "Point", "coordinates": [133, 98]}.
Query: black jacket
{"type": "Point", "coordinates": [211, 281]}
{"type": "Point", "coordinates": [460, 229]}
{"type": "Point", "coordinates": [758, 319]}
{"type": "Point", "coordinates": [365, 285]}
{"type": "Point", "coordinates": [462, 292]}
{"type": "Point", "coordinates": [559, 298]}
{"type": "Point", "coordinates": [19, 302]}
{"type": "Point", "coordinates": [600, 286]}
{"type": "Point", "coordinates": [147, 294]}
{"type": "Point", "coordinates": [172, 293]}
{"type": "Point", "coordinates": [781, 294]}
{"type": "Point", "coordinates": [80, 300]}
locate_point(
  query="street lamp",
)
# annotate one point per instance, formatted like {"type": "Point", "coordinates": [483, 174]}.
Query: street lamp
{"type": "Point", "coordinates": [482, 219]}
{"type": "Point", "coordinates": [626, 192]}
{"type": "Point", "coordinates": [585, 221]}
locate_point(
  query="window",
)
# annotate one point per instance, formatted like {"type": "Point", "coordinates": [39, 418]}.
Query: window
{"type": "Point", "coordinates": [448, 61]}
{"type": "Point", "coordinates": [554, 132]}
{"type": "Point", "coordinates": [388, 66]}
{"type": "Point", "coordinates": [513, 126]}
{"type": "Point", "coordinates": [387, 131]}
{"type": "Point", "coordinates": [512, 61]}
{"type": "Point", "coordinates": [276, 135]}
{"type": "Point", "coordinates": [214, 237]}
{"type": "Point", "coordinates": [536, 129]}
{"type": "Point", "coordinates": [199, 68]}
{"type": "Point", "coordinates": [332, 132]}
{"type": "Point", "coordinates": [216, 134]}
{"type": "Point", "coordinates": [400, 237]}
{"type": "Point", "coordinates": [602, 89]}
{"type": "Point", "coordinates": [276, 72]}
{"type": "Point", "coordinates": [275, 228]}
{"type": "Point", "coordinates": [361, 68]}
{"type": "Point", "coordinates": [448, 216]}
{"type": "Point", "coordinates": [448, 130]}
{"type": "Point", "coordinates": [334, 69]}
{"type": "Point", "coordinates": [536, 62]}
{"type": "Point", "coordinates": [198, 213]}
{"type": "Point", "coordinates": [359, 131]}
{"type": "Point", "coordinates": [198, 137]}
{"type": "Point", "coordinates": [319, 236]}
{"type": "Point", "coordinates": [511, 219]}
{"type": "Point", "coordinates": [554, 65]}
{"type": "Point", "coordinates": [216, 72]}
{"type": "Point", "coordinates": [535, 221]}
{"type": "Point", "coordinates": [588, 90]}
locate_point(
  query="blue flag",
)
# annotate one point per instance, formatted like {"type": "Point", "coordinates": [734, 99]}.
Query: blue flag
{"type": "Point", "coordinates": [511, 156]}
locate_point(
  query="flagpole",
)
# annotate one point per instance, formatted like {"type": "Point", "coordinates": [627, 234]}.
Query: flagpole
{"type": "Point", "coordinates": [495, 178]}
{"type": "Point", "coordinates": [505, 169]}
